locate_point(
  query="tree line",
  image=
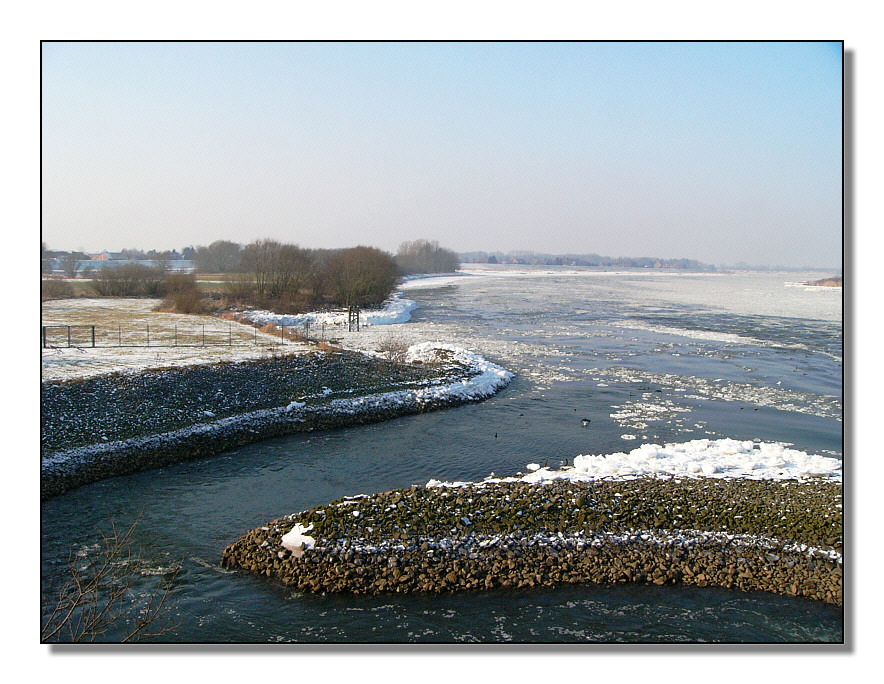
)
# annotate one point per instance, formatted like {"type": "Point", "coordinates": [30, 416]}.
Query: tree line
{"type": "Point", "coordinates": [582, 260]}
{"type": "Point", "coordinates": [287, 278]}
{"type": "Point", "coordinates": [292, 278]}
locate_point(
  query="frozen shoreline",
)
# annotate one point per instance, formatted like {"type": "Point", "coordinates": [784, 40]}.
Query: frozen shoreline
{"type": "Point", "coordinates": [461, 378]}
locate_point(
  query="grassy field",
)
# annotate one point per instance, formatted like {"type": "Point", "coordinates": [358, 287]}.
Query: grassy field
{"type": "Point", "coordinates": [130, 334]}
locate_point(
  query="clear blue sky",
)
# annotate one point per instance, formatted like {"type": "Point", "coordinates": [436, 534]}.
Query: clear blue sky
{"type": "Point", "coordinates": [722, 152]}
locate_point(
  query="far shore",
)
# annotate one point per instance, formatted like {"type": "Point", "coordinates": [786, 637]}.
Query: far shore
{"type": "Point", "coordinates": [834, 281]}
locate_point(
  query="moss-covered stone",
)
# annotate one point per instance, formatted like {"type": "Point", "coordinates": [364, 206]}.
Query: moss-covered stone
{"type": "Point", "coordinates": [782, 537]}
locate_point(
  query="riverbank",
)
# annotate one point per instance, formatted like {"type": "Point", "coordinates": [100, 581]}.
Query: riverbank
{"type": "Point", "coordinates": [779, 536]}
{"type": "Point", "coordinates": [126, 422]}
{"type": "Point", "coordinates": [834, 281]}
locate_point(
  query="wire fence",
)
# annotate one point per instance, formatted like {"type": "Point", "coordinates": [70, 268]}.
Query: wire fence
{"type": "Point", "coordinates": [57, 336]}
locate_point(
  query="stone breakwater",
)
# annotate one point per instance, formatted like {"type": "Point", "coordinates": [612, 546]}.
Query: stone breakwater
{"type": "Point", "coordinates": [127, 422]}
{"type": "Point", "coordinates": [783, 537]}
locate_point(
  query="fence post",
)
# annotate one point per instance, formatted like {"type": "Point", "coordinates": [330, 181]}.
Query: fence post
{"type": "Point", "coordinates": [69, 336]}
{"type": "Point", "coordinates": [44, 337]}
{"type": "Point", "coordinates": [93, 336]}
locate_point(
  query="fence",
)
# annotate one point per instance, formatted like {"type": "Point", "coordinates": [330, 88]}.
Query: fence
{"type": "Point", "coordinates": [55, 336]}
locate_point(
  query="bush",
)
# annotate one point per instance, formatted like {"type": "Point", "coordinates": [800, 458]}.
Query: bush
{"type": "Point", "coordinates": [360, 277]}
{"type": "Point", "coordinates": [240, 286]}
{"type": "Point", "coordinates": [176, 283]}
{"type": "Point", "coordinates": [190, 302]}
{"type": "Point", "coordinates": [55, 289]}
{"type": "Point", "coordinates": [130, 280]}
{"type": "Point", "coordinates": [182, 294]}
{"type": "Point", "coordinates": [393, 349]}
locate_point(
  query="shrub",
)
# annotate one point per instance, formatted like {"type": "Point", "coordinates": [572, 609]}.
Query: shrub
{"type": "Point", "coordinates": [393, 349]}
{"type": "Point", "coordinates": [240, 286]}
{"type": "Point", "coordinates": [182, 294]}
{"type": "Point", "coordinates": [360, 276]}
{"type": "Point", "coordinates": [189, 302]}
{"type": "Point", "coordinates": [55, 289]}
{"type": "Point", "coordinates": [129, 280]}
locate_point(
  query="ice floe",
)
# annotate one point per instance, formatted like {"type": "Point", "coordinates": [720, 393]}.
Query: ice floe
{"type": "Point", "coordinates": [719, 458]}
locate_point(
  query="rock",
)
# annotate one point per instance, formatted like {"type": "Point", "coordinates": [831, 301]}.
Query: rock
{"type": "Point", "coordinates": [492, 553]}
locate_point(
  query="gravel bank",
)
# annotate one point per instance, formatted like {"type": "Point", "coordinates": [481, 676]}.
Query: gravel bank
{"type": "Point", "coordinates": [775, 536]}
{"type": "Point", "coordinates": [125, 422]}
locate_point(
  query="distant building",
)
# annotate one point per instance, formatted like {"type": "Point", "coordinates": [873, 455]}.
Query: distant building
{"type": "Point", "coordinates": [108, 256]}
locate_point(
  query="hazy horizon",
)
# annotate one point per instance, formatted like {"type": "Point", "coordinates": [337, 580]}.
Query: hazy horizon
{"type": "Point", "coordinates": [718, 152]}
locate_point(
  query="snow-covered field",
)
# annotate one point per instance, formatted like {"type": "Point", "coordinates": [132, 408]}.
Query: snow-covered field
{"type": "Point", "coordinates": [130, 321]}
{"type": "Point", "coordinates": [226, 340]}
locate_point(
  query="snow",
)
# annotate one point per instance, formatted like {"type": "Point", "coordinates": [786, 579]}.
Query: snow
{"type": "Point", "coordinates": [433, 280]}
{"type": "Point", "coordinates": [134, 316]}
{"type": "Point", "coordinates": [490, 377]}
{"type": "Point", "coordinates": [297, 540]}
{"type": "Point", "coordinates": [395, 310]}
{"type": "Point", "coordinates": [486, 379]}
{"type": "Point", "coordinates": [722, 458]}
{"type": "Point", "coordinates": [62, 363]}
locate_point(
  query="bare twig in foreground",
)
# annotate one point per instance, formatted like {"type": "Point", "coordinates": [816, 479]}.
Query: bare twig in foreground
{"type": "Point", "coordinates": [100, 595]}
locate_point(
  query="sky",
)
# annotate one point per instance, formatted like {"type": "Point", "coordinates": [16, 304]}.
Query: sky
{"type": "Point", "coordinates": [27, 185]}
{"type": "Point", "coordinates": [722, 152]}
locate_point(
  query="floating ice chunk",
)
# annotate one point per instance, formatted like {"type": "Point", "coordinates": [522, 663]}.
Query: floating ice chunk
{"type": "Point", "coordinates": [726, 458]}
{"type": "Point", "coordinates": [533, 466]}
{"type": "Point", "coordinates": [710, 468]}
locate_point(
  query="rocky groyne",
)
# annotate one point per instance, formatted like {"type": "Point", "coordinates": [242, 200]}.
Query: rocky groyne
{"type": "Point", "coordinates": [126, 422]}
{"type": "Point", "coordinates": [783, 537]}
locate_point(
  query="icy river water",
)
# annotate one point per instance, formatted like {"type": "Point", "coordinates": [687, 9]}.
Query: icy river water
{"type": "Point", "coordinates": [604, 362]}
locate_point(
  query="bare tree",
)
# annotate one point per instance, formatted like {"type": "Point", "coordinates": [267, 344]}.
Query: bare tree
{"type": "Point", "coordinates": [292, 270]}
{"type": "Point", "coordinates": [69, 264]}
{"type": "Point", "coordinates": [258, 259]}
{"type": "Point", "coordinates": [100, 595]}
{"type": "Point", "coordinates": [222, 256]}
{"type": "Point", "coordinates": [425, 256]}
{"type": "Point", "coordinates": [360, 276]}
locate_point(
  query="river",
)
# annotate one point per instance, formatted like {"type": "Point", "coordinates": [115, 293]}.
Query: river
{"type": "Point", "coordinates": [604, 362]}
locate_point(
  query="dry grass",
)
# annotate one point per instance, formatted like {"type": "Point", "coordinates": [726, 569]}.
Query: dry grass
{"type": "Point", "coordinates": [132, 334]}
